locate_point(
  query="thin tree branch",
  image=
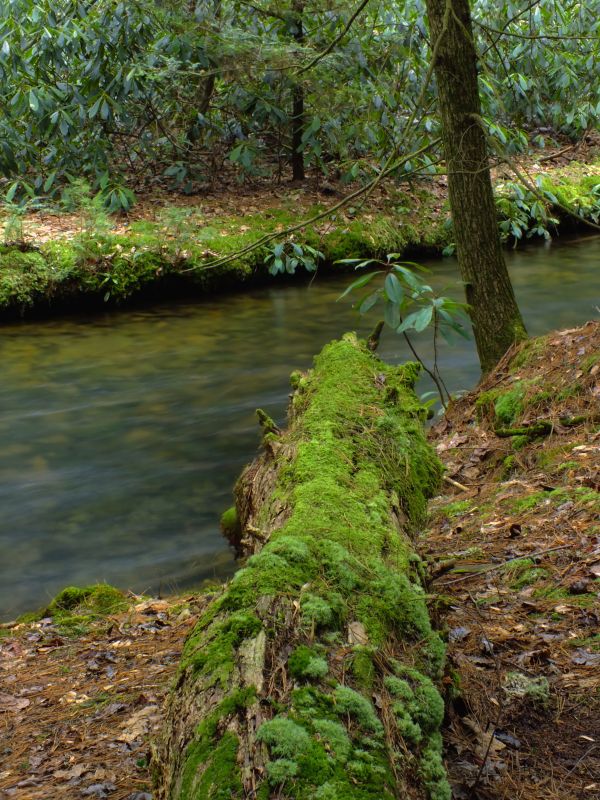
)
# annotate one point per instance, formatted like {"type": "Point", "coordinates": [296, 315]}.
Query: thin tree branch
{"type": "Point", "coordinates": [335, 41]}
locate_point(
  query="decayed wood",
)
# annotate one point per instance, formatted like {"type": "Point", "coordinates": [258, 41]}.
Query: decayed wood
{"type": "Point", "coordinates": [311, 675]}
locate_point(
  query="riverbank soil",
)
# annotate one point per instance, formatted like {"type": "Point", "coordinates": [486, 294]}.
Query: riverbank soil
{"type": "Point", "coordinates": [514, 564]}
{"type": "Point", "coordinates": [515, 558]}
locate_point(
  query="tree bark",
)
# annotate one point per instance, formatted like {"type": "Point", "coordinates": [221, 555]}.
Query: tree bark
{"type": "Point", "coordinates": [312, 674]}
{"type": "Point", "coordinates": [298, 116]}
{"type": "Point", "coordinates": [496, 318]}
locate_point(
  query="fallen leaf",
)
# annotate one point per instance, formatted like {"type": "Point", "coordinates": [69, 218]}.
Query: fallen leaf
{"type": "Point", "coordinates": [357, 633]}
{"type": "Point", "coordinates": [139, 724]}
{"type": "Point", "coordinates": [10, 703]}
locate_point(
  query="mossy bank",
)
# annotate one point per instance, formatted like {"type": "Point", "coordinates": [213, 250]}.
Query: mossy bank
{"type": "Point", "coordinates": [314, 672]}
{"type": "Point", "coordinates": [180, 251]}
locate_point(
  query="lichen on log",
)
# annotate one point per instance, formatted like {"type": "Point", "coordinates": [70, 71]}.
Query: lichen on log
{"type": "Point", "coordinates": [313, 673]}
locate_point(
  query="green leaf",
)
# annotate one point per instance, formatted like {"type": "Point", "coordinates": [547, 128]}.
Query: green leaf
{"type": "Point", "coordinates": [12, 191]}
{"type": "Point", "coordinates": [358, 284]}
{"type": "Point", "coordinates": [408, 323]}
{"type": "Point", "coordinates": [393, 289]}
{"type": "Point", "coordinates": [368, 303]}
{"type": "Point", "coordinates": [423, 318]}
{"type": "Point", "coordinates": [391, 314]}
{"type": "Point", "coordinates": [49, 181]}
{"type": "Point", "coordinates": [95, 108]}
{"type": "Point", "coordinates": [34, 103]}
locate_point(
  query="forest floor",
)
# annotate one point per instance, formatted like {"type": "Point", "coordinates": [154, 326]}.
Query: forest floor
{"type": "Point", "coordinates": [172, 245]}
{"type": "Point", "coordinates": [245, 201]}
{"type": "Point", "coordinates": [514, 560]}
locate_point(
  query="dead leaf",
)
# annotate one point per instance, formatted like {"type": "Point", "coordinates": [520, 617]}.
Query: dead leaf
{"type": "Point", "coordinates": [69, 774]}
{"type": "Point", "coordinates": [139, 724]}
{"type": "Point", "coordinates": [357, 633]}
{"type": "Point", "coordinates": [10, 703]}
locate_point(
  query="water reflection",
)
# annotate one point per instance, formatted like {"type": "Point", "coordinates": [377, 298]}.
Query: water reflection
{"type": "Point", "coordinates": [121, 435]}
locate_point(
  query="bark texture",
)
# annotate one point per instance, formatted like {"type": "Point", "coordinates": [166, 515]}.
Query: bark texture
{"type": "Point", "coordinates": [497, 322]}
{"type": "Point", "coordinates": [313, 673]}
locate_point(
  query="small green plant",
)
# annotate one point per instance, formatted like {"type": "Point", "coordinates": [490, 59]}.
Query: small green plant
{"type": "Point", "coordinates": [523, 213]}
{"type": "Point", "coordinates": [92, 216]}
{"type": "Point", "coordinates": [176, 224]}
{"type": "Point", "coordinates": [288, 256]}
{"type": "Point", "coordinates": [115, 196]}
{"type": "Point", "coordinates": [410, 306]}
{"type": "Point", "coordinates": [14, 229]}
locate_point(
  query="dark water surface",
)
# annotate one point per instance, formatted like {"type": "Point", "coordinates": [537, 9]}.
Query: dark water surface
{"type": "Point", "coordinates": [122, 435]}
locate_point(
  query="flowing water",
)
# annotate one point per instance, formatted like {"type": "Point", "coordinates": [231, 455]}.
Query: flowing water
{"type": "Point", "coordinates": [121, 435]}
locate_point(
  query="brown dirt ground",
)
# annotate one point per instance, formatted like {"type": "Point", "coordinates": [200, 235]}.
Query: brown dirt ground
{"type": "Point", "coordinates": [524, 638]}
{"type": "Point", "coordinates": [230, 198]}
{"type": "Point", "coordinates": [77, 715]}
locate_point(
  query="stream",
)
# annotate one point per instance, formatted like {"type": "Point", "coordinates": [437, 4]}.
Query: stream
{"type": "Point", "coordinates": [121, 435]}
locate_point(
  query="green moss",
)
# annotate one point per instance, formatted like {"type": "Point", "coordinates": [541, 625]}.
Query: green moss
{"type": "Point", "coordinates": [305, 663]}
{"type": "Point", "coordinates": [99, 599]}
{"type": "Point", "coordinates": [432, 772]}
{"type": "Point", "coordinates": [566, 466]}
{"type": "Point", "coordinates": [591, 643]}
{"type": "Point", "coordinates": [284, 737]}
{"type": "Point", "coordinates": [211, 771]}
{"type": "Point", "coordinates": [509, 406]}
{"type": "Point", "coordinates": [363, 669]}
{"type": "Point", "coordinates": [214, 654]}
{"type": "Point", "coordinates": [550, 456]}
{"type": "Point", "coordinates": [523, 573]}
{"type": "Point", "coordinates": [358, 451]}
{"type": "Point", "coordinates": [586, 600]}
{"type": "Point", "coordinates": [336, 737]}
{"type": "Point", "coordinates": [590, 362]}
{"type": "Point", "coordinates": [75, 609]}
{"type": "Point", "coordinates": [356, 705]}
{"type": "Point", "coordinates": [230, 524]}
{"type": "Point", "coordinates": [534, 689]}
{"type": "Point", "coordinates": [508, 466]}
{"type": "Point", "coordinates": [523, 504]}
{"type": "Point", "coordinates": [457, 508]}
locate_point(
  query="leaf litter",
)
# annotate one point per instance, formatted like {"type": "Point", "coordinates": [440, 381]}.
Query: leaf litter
{"type": "Point", "coordinates": [77, 714]}
{"type": "Point", "coordinates": [514, 563]}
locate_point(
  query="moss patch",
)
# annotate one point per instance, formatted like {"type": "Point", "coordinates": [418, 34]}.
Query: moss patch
{"type": "Point", "coordinates": [74, 608]}
{"type": "Point", "coordinates": [355, 460]}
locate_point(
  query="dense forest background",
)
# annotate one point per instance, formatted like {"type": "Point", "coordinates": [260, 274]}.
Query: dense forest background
{"type": "Point", "coordinates": [133, 95]}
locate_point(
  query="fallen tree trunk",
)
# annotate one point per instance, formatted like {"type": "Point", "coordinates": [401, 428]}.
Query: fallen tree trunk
{"type": "Point", "coordinates": [312, 673]}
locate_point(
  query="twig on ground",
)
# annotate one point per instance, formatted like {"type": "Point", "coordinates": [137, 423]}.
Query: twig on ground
{"type": "Point", "coordinates": [496, 567]}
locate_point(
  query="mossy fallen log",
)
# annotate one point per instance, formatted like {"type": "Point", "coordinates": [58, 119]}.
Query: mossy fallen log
{"type": "Point", "coordinates": [313, 673]}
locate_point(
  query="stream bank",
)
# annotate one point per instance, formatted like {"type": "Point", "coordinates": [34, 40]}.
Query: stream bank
{"type": "Point", "coordinates": [86, 261]}
{"type": "Point", "coordinates": [513, 560]}
{"type": "Point", "coordinates": [124, 433]}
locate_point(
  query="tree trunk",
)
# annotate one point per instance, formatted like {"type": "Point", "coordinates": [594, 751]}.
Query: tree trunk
{"type": "Point", "coordinates": [497, 322]}
{"type": "Point", "coordinates": [298, 120]}
{"type": "Point", "coordinates": [312, 674]}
